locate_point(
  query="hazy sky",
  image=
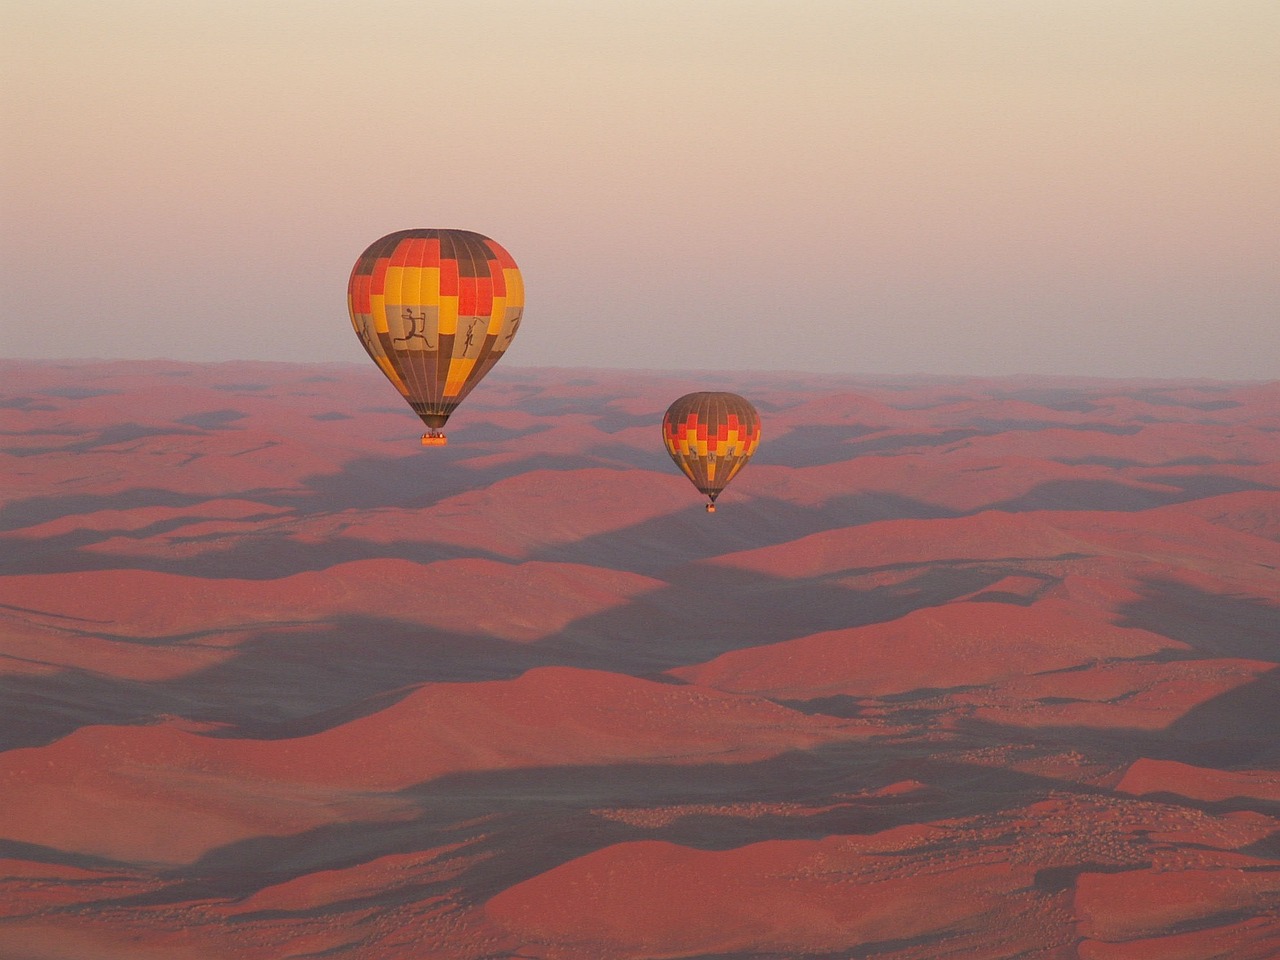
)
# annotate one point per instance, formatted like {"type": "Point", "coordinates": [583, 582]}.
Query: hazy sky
{"type": "Point", "coordinates": [858, 186]}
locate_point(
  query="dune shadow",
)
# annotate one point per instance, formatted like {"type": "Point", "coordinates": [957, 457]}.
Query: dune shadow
{"type": "Point", "coordinates": [284, 682]}
{"type": "Point", "coordinates": [655, 545]}
{"type": "Point", "coordinates": [515, 824]}
{"type": "Point", "coordinates": [1201, 486]}
{"type": "Point", "coordinates": [991, 426]}
{"type": "Point", "coordinates": [705, 610]}
{"type": "Point", "coordinates": [110, 436]}
{"type": "Point", "coordinates": [1162, 398]}
{"type": "Point", "coordinates": [291, 679]}
{"type": "Point", "coordinates": [208, 420]}
{"type": "Point", "coordinates": [409, 482]}
{"type": "Point", "coordinates": [813, 445]}
{"type": "Point", "coordinates": [37, 853]}
{"type": "Point", "coordinates": [258, 555]}
{"type": "Point", "coordinates": [1101, 495]}
{"type": "Point", "coordinates": [1238, 729]}
{"type": "Point", "coordinates": [1212, 624]}
{"type": "Point", "coordinates": [295, 678]}
{"type": "Point", "coordinates": [31, 511]}
{"type": "Point", "coordinates": [649, 547]}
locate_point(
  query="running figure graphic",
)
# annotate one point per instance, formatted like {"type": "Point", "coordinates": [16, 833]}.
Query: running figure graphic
{"type": "Point", "coordinates": [415, 332]}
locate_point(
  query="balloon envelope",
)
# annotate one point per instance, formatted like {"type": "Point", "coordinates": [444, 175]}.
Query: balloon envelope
{"type": "Point", "coordinates": [435, 309]}
{"type": "Point", "coordinates": [710, 436]}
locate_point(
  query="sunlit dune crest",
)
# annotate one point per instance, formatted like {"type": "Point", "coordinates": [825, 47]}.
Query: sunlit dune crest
{"type": "Point", "coordinates": [956, 645]}
{"type": "Point", "coordinates": [520, 601]}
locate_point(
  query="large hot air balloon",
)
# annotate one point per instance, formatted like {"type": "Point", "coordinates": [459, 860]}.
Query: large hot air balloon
{"type": "Point", "coordinates": [710, 436]}
{"type": "Point", "coordinates": [435, 309]}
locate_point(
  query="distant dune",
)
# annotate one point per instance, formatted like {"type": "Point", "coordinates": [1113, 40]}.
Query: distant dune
{"type": "Point", "coordinates": [960, 668]}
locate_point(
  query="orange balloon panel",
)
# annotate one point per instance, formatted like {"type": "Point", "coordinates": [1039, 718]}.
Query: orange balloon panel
{"type": "Point", "coordinates": [710, 436]}
{"type": "Point", "coordinates": [435, 309]}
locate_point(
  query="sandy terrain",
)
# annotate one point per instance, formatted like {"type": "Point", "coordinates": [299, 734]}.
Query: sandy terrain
{"type": "Point", "coordinates": [959, 669]}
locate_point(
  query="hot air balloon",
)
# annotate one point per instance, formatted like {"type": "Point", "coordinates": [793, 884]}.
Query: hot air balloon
{"type": "Point", "coordinates": [711, 436]}
{"type": "Point", "coordinates": [435, 309]}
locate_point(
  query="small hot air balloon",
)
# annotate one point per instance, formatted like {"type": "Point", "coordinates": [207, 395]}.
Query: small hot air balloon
{"type": "Point", "coordinates": [435, 309]}
{"type": "Point", "coordinates": [711, 436]}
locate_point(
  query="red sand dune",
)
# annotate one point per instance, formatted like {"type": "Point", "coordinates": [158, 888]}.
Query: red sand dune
{"type": "Point", "coordinates": [183, 793]}
{"type": "Point", "coordinates": [652, 898]}
{"type": "Point", "coordinates": [956, 645]}
{"type": "Point", "coordinates": [966, 668]}
{"type": "Point", "coordinates": [511, 601]}
{"type": "Point", "coordinates": [1143, 904]}
{"type": "Point", "coordinates": [1199, 783]}
{"type": "Point", "coordinates": [1170, 533]}
{"type": "Point", "coordinates": [512, 517]}
{"type": "Point", "coordinates": [1133, 695]}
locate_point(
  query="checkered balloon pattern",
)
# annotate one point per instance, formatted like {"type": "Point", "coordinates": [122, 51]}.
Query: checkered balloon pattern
{"type": "Point", "coordinates": [435, 309]}
{"type": "Point", "coordinates": [710, 436]}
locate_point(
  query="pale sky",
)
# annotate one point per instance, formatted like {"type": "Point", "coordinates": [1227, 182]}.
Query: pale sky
{"type": "Point", "coordinates": [850, 186]}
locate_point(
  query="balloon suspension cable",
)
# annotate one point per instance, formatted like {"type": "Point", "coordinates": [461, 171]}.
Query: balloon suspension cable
{"type": "Point", "coordinates": [434, 438]}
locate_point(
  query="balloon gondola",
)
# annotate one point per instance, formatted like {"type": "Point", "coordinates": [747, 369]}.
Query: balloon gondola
{"type": "Point", "coordinates": [435, 310]}
{"type": "Point", "coordinates": [710, 436]}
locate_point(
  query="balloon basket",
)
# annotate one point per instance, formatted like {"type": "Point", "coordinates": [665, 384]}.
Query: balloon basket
{"type": "Point", "coordinates": [711, 508]}
{"type": "Point", "coordinates": [434, 440]}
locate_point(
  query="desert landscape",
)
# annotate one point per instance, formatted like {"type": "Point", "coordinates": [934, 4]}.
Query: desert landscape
{"type": "Point", "coordinates": [961, 668]}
